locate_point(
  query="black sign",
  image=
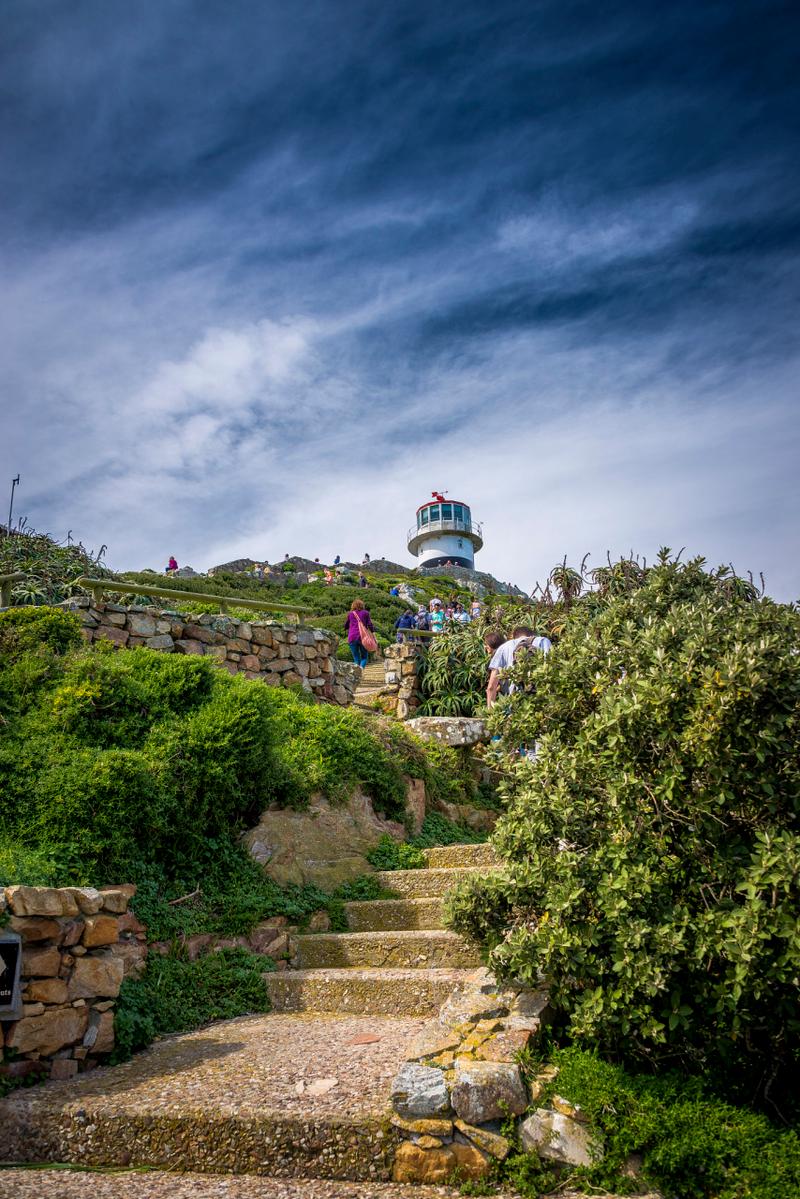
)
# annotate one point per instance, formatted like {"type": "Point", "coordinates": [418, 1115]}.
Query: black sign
{"type": "Point", "coordinates": [10, 963]}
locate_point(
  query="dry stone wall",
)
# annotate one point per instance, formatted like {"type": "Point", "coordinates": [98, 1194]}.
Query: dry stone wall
{"type": "Point", "coordinates": [78, 944]}
{"type": "Point", "coordinates": [400, 693]}
{"type": "Point", "coordinates": [278, 655]}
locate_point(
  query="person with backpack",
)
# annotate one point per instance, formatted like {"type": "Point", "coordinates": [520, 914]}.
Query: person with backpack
{"type": "Point", "coordinates": [405, 621]}
{"type": "Point", "coordinates": [360, 633]}
{"type": "Point", "coordinates": [503, 659]}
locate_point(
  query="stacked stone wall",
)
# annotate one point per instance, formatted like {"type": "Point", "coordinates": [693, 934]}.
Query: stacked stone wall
{"type": "Point", "coordinates": [401, 694]}
{"type": "Point", "coordinates": [78, 944]}
{"type": "Point", "coordinates": [278, 655]}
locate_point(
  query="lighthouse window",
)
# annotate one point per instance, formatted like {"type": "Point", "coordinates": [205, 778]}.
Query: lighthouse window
{"type": "Point", "coordinates": [424, 516]}
{"type": "Point", "coordinates": [447, 511]}
{"type": "Point", "coordinates": [458, 512]}
{"type": "Point", "coordinates": [434, 510]}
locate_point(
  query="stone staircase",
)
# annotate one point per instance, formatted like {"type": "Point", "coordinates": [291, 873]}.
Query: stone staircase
{"type": "Point", "coordinates": [397, 958]}
{"type": "Point", "coordinates": [372, 681]}
{"type": "Point", "coordinates": [300, 1093]}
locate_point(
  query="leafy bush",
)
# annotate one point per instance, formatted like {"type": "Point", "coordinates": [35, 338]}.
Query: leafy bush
{"type": "Point", "coordinates": [452, 672]}
{"type": "Point", "coordinates": [692, 1143]}
{"type": "Point", "coordinates": [389, 854]}
{"type": "Point", "coordinates": [175, 995]}
{"type": "Point", "coordinates": [654, 845]}
{"type": "Point", "coordinates": [145, 767]}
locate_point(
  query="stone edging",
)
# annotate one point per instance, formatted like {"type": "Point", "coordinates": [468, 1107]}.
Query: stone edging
{"type": "Point", "coordinates": [462, 1081]}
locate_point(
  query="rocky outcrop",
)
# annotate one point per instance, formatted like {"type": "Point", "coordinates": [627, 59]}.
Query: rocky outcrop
{"type": "Point", "coordinates": [460, 732]}
{"type": "Point", "coordinates": [326, 844]}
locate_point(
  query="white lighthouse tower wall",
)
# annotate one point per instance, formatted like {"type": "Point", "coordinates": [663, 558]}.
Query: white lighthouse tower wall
{"type": "Point", "coordinates": [442, 546]}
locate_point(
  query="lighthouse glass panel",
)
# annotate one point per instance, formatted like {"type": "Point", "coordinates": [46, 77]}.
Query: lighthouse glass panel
{"type": "Point", "coordinates": [458, 512]}
{"type": "Point", "coordinates": [434, 511]}
{"type": "Point", "coordinates": [424, 516]}
{"type": "Point", "coordinates": [447, 511]}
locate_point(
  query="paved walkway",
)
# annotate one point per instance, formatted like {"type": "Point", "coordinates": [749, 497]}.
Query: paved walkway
{"type": "Point", "coordinates": [156, 1184]}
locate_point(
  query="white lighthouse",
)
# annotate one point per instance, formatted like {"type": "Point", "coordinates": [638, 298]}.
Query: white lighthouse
{"type": "Point", "coordinates": [445, 534]}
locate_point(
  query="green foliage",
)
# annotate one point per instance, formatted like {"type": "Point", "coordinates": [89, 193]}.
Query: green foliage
{"type": "Point", "coordinates": [51, 568]}
{"type": "Point", "coordinates": [145, 767]}
{"type": "Point", "coordinates": [654, 845]}
{"type": "Point", "coordinates": [389, 854]}
{"type": "Point", "coordinates": [26, 629]}
{"type": "Point", "coordinates": [33, 867]}
{"type": "Point", "coordinates": [175, 995]}
{"type": "Point", "coordinates": [693, 1144]}
{"type": "Point", "coordinates": [453, 671]}
{"type": "Point", "coordinates": [33, 642]}
{"type": "Point", "coordinates": [436, 829]}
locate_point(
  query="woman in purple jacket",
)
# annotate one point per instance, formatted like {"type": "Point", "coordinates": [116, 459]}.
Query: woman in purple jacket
{"type": "Point", "coordinates": [357, 616]}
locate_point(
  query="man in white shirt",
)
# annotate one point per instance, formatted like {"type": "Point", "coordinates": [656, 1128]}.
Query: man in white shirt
{"type": "Point", "coordinates": [503, 659]}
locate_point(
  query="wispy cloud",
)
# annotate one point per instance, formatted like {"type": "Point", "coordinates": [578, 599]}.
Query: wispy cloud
{"type": "Point", "coordinates": [266, 286]}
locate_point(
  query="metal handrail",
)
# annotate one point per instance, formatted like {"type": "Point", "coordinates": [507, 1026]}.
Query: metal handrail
{"type": "Point", "coordinates": [98, 586]}
{"type": "Point", "coordinates": [5, 587]}
{"type": "Point", "coordinates": [468, 528]}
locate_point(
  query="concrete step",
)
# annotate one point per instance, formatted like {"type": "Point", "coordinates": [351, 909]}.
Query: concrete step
{"type": "Point", "coordinates": [363, 991]}
{"type": "Point", "coordinates": [424, 884]}
{"type": "Point", "coordinates": [448, 856]}
{"type": "Point", "coordinates": [375, 915]}
{"type": "Point", "coordinates": [413, 950]}
{"type": "Point", "coordinates": [236, 1097]}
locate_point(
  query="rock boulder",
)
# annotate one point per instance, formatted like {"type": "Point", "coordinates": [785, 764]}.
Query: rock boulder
{"type": "Point", "coordinates": [325, 845]}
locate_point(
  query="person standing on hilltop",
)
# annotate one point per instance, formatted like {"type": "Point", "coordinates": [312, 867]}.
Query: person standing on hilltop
{"type": "Point", "coordinates": [358, 619]}
{"type": "Point", "coordinates": [172, 565]}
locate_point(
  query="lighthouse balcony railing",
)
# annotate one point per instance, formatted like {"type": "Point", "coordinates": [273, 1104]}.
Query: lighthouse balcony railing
{"type": "Point", "coordinates": [470, 527]}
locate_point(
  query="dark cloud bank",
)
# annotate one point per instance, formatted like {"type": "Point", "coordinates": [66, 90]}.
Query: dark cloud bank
{"type": "Point", "coordinates": [262, 261]}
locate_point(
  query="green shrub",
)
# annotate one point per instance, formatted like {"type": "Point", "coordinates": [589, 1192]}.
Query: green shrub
{"type": "Point", "coordinates": [438, 830]}
{"type": "Point", "coordinates": [175, 995]}
{"type": "Point", "coordinates": [693, 1144]}
{"type": "Point", "coordinates": [26, 629]}
{"type": "Point", "coordinates": [654, 845]}
{"type": "Point", "coordinates": [389, 854]}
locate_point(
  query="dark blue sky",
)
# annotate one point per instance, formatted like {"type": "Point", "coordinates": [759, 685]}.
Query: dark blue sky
{"type": "Point", "coordinates": [273, 272]}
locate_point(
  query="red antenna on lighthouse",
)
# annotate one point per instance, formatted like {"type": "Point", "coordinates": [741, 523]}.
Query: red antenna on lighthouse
{"type": "Point", "coordinates": [437, 495]}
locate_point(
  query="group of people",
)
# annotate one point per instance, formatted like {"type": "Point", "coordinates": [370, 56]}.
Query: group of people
{"type": "Point", "coordinates": [434, 618]}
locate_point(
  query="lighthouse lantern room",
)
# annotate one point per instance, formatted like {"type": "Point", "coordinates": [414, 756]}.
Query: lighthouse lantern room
{"type": "Point", "coordinates": [445, 533]}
